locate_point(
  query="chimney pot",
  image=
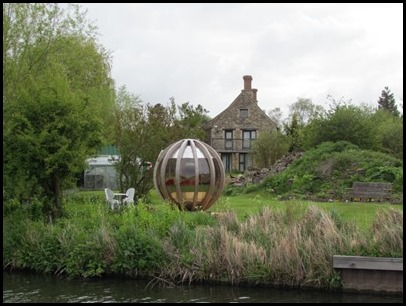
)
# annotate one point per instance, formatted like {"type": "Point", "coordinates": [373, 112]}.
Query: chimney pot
{"type": "Point", "coordinates": [247, 82]}
{"type": "Point", "coordinates": [254, 90]}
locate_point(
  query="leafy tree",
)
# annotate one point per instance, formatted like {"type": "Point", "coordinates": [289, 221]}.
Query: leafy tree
{"type": "Point", "coordinates": [57, 91]}
{"type": "Point", "coordinates": [293, 129]}
{"type": "Point", "coordinates": [190, 121]}
{"type": "Point", "coordinates": [276, 115]}
{"type": "Point", "coordinates": [343, 122]}
{"type": "Point", "coordinates": [269, 147]}
{"type": "Point", "coordinates": [143, 130]}
{"type": "Point", "coordinates": [136, 142]}
{"type": "Point", "coordinates": [389, 131]}
{"type": "Point", "coordinates": [401, 107]}
{"type": "Point", "coordinates": [29, 33]}
{"type": "Point", "coordinates": [301, 114]}
{"type": "Point", "coordinates": [387, 102]}
{"type": "Point", "coordinates": [305, 111]}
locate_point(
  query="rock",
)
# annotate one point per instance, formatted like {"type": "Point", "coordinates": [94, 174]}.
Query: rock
{"type": "Point", "coordinates": [258, 175]}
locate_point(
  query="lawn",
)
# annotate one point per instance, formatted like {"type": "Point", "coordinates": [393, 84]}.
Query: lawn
{"type": "Point", "coordinates": [362, 214]}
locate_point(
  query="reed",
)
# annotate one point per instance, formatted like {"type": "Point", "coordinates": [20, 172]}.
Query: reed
{"type": "Point", "coordinates": [290, 244]}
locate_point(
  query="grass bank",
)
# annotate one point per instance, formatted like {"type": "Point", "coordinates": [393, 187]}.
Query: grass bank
{"type": "Point", "coordinates": [250, 239]}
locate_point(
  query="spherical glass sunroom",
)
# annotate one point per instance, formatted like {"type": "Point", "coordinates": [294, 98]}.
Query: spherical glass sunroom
{"type": "Point", "coordinates": [190, 174]}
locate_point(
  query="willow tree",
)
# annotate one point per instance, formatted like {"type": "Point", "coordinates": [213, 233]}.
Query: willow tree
{"type": "Point", "coordinates": [57, 100]}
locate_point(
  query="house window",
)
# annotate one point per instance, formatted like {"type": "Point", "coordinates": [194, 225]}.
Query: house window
{"type": "Point", "coordinates": [243, 113]}
{"type": "Point", "coordinates": [244, 162]}
{"type": "Point", "coordinates": [248, 136]}
{"type": "Point", "coordinates": [228, 136]}
{"type": "Point", "coordinates": [226, 158]}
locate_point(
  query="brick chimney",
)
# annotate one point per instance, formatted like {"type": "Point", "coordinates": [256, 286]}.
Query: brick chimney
{"type": "Point", "coordinates": [247, 87]}
{"type": "Point", "coordinates": [247, 82]}
{"type": "Point", "coordinates": [254, 91]}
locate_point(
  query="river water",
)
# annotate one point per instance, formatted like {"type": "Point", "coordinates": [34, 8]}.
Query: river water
{"type": "Point", "coordinates": [33, 288]}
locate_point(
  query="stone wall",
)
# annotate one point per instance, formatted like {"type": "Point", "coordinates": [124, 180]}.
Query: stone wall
{"type": "Point", "coordinates": [258, 175]}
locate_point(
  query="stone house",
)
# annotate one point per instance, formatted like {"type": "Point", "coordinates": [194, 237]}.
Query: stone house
{"type": "Point", "coordinates": [231, 133]}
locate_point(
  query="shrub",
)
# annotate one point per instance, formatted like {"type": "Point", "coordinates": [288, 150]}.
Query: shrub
{"type": "Point", "coordinates": [332, 167]}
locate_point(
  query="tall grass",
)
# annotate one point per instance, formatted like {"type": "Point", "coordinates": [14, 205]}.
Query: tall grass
{"type": "Point", "coordinates": [286, 245]}
{"type": "Point", "coordinates": [387, 231]}
{"type": "Point", "coordinates": [278, 247]}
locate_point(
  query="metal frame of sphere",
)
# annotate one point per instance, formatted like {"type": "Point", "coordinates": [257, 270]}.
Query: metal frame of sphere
{"type": "Point", "coordinates": [190, 174]}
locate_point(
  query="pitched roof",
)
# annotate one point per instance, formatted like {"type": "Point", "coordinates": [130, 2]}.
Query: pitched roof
{"type": "Point", "coordinates": [243, 100]}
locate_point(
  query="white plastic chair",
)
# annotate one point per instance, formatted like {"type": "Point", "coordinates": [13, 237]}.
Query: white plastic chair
{"type": "Point", "coordinates": [110, 198]}
{"type": "Point", "coordinates": [129, 198]}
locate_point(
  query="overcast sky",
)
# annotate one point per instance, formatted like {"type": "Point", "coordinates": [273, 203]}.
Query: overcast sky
{"type": "Point", "coordinates": [198, 53]}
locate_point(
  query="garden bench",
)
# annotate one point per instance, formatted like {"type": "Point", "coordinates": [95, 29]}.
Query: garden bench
{"type": "Point", "coordinates": [371, 192]}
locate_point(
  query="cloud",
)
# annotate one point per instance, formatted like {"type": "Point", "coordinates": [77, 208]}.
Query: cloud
{"type": "Point", "coordinates": [198, 52]}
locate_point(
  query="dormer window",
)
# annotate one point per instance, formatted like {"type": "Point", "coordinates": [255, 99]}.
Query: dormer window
{"type": "Point", "coordinates": [243, 112]}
